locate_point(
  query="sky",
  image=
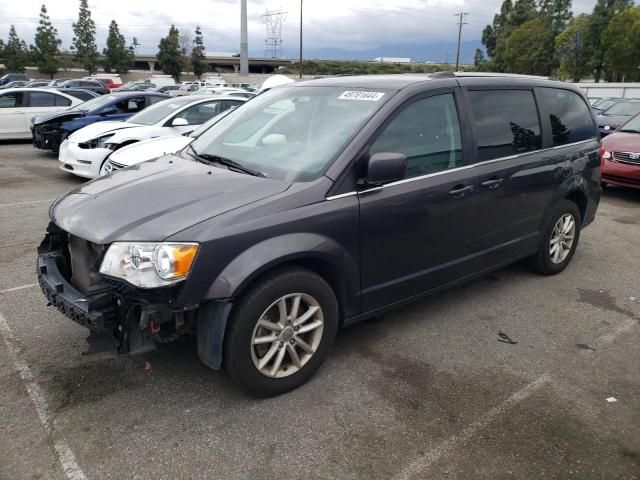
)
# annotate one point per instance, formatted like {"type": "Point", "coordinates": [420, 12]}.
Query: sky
{"type": "Point", "coordinates": [346, 24]}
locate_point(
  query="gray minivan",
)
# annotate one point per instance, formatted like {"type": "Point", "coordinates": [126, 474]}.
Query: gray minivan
{"type": "Point", "coordinates": [320, 204]}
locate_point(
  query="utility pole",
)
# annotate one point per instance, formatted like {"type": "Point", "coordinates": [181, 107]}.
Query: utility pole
{"type": "Point", "coordinates": [301, 39]}
{"type": "Point", "coordinates": [460, 16]}
{"type": "Point", "coordinates": [244, 42]}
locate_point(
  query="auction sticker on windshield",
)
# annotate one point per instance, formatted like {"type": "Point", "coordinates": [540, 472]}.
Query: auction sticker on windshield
{"type": "Point", "coordinates": [360, 95]}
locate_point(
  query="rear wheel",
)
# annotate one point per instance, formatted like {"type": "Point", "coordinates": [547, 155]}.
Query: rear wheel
{"type": "Point", "coordinates": [559, 241]}
{"type": "Point", "coordinates": [281, 331]}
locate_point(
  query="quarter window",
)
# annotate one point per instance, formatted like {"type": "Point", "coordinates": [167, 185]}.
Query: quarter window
{"type": "Point", "coordinates": [506, 122]}
{"type": "Point", "coordinates": [569, 116]}
{"type": "Point", "coordinates": [62, 101]}
{"type": "Point", "coordinates": [427, 132]}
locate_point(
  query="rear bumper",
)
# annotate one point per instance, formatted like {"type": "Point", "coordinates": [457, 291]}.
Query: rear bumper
{"type": "Point", "coordinates": [97, 311]}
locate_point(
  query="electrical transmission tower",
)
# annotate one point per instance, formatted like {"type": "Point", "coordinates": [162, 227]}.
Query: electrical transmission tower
{"type": "Point", "coordinates": [273, 20]}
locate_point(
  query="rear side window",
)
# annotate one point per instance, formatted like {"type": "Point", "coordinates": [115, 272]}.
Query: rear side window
{"type": "Point", "coordinates": [84, 96]}
{"type": "Point", "coordinates": [62, 101]}
{"type": "Point", "coordinates": [569, 116]}
{"type": "Point", "coordinates": [153, 99]}
{"type": "Point", "coordinates": [428, 133]}
{"type": "Point", "coordinates": [41, 99]}
{"type": "Point", "coordinates": [506, 123]}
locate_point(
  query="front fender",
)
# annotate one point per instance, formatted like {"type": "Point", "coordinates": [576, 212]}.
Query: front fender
{"type": "Point", "coordinates": [259, 258]}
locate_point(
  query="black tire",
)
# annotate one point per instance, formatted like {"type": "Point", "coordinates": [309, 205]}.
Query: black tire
{"type": "Point", "coordinates": [541, 262]}
{"type": "Point", "coordinates": [237, 359]}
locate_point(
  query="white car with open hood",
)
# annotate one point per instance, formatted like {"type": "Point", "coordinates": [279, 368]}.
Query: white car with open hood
{"type": "Point", "coordinates": [85, 152]}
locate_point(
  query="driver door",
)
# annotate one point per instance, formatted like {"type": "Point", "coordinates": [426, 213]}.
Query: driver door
{"type": "Point", "coordinates": [419, 233]}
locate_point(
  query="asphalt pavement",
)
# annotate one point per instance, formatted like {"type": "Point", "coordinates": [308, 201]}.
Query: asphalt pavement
{"type": "Point", "coordinates": [429, 391]}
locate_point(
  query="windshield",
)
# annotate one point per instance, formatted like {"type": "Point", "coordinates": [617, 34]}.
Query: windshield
{"type": "Point", "coordinates": [624, 108]}
{"type": "Point", "coordinates": [96, 103]}
{"type": "Point", "coordinates": [292, 133]}
{"type": "Point", "coordinates": [632, 125]}
{"type": "Point", "coordinates": [157, 113]}
{"type": "Point", "coordinates": [606, 104]}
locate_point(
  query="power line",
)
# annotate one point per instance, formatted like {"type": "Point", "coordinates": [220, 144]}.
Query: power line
{"type": "Point", "coordinates": [461, 16]}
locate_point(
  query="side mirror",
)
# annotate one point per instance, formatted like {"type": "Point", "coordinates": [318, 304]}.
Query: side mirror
{"type": "Point", "coordinates": [109, 111]}
{"type": "Point", "coordinates": [179, 122]}
{"type": "Point", "coordinates": [386, 167]}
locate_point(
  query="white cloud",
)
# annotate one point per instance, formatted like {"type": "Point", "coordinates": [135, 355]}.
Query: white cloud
{"type": "Point", "coordinates": [347, 24]}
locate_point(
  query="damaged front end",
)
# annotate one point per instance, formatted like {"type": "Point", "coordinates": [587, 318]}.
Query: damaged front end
{"type": "Point", "coordinates": [120, 316]}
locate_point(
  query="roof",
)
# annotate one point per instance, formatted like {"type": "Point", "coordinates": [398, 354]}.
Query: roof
{"type": "Point", "coordinates": [187, 99]}
{"type": "Point", "coordinates": [400, 81]}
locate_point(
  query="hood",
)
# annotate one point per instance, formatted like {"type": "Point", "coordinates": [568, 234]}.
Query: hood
{"type": "Point", "coordinates": [614, 121]}
{"type": "Point", "coordinates": [149, 149]}
{"type": "Point", "coordinates": [63, 116]}
{"type": "Point", "coordinates": [97, 129]}
{"type": "Point", "coordinates": [622, 142]}
{"type": "Point", "coordinates": [135, 132]}
{"type": "Point", "coordinates": [154, 200]}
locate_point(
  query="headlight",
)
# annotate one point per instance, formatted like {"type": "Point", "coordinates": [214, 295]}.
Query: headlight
{"type": "Point", "coordinates": [149, 265]}
{"type": "Point", "coordinates": [606, 155]}
{"type": "Point", "coordinates": [99, 142]}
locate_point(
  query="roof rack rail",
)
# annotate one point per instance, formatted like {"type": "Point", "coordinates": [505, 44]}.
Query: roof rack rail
{"type": "Point", "coordinates": [442, 75]}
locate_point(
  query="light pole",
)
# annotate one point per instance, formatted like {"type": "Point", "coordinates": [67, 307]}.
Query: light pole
{"type": "Point", "coordinates": [301, 39]}
{"type": "Point", "coordinates": [460, 23]}
{"type": "Point", "coordinates": [244, 42]}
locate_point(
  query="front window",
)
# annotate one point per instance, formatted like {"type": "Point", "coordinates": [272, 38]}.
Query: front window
{"type": "Point", "coordinates": [292, 133]}
{"type": "Point", "coordinates": [97, 103]}
{"type": "Point", "coordinates": [624, 108]}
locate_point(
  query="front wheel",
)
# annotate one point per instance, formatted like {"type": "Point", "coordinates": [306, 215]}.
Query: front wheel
{"type": "Point", "coordinates": [280, 332]}
{"type": "Point", "coordinates": [559, 241]}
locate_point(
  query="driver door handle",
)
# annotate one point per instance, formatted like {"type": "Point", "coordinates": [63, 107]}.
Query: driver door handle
{"type": "Point", "coordinates": [460, 191]}
{"type": "Point", "coordinates": [492, 184]}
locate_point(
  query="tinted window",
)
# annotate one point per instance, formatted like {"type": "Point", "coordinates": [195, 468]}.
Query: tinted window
{"type": "Point", "coordinates": [624, 108]}
{"type": "Point", "coordinates": [80, 94]}
{"type": "Point", "coordinates": [153, 99]}
{"type": "Point", "coordinates": [62, 101]}
{"type": "Point", "coordinates": [131, 105]}
{"type": "Point", "coordinates": [41, 99]}
{"type": "Point", "coordinates": [506, 122]}
{"type": "Point", "coordinates": [11, 100]}
{"type": "Point", "coordinates": [90, 84]}
{"type": "Point", "coordinates": [569, 115]}
{"type": "Point", "coordinates": [198, 114]}
{"type": "Point", "coordinates": [427, 132]}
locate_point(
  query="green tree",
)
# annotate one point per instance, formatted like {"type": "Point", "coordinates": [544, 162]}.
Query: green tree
{"type": "Point", "coordinates": [16, 54]}
{"type": "Point", "coordinates": [197, 54]}
{"type": "Point", "coordinates": [603, 12]}
{"type": "Point", "coordinates": [527, 49]}
{"type": "Point", "coordinates": [47, 45]}
{"type": "Point", "coordinates": [117, 56]}
{"type": "Point", "coordinates": [84, 41]}
{"type": "Point", "coordinates": [621, 42]}
{"type": "Point", "coordinates": [169, 54]}
{"type": "Point", "coordinates": [572, 49]}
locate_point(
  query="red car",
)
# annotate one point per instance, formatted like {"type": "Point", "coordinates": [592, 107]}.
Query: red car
{"type": "Point", "coordinates": [620, 155]}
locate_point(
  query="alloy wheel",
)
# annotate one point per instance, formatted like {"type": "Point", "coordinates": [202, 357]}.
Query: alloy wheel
{"type": "Point", "coordinates": [562, 238]}
{"type": "Point", "coordinates": [287, 335]}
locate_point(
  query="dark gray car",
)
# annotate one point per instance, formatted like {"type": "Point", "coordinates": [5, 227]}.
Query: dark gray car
{"type": "Point", "coordinates": [320, 204]}
{"type": "Point", "coordinates": [616, 115]}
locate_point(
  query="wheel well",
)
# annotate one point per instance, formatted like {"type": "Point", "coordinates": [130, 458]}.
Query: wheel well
{"type": "Point", "coordinates": [321, 267]}
{"type": "Point", "coordinates": [580, 199]}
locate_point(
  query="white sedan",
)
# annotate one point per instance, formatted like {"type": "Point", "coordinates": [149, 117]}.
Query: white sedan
{"type": "Point", "coordinates": [19, 105]}
{"type": "Point", "coordinates": [84, 152]}
{"type": "Point", "coordinates": [154, 147]}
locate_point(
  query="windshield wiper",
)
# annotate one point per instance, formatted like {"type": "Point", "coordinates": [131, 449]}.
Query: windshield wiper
{"type": "Point", "coordinates": [230, 164]}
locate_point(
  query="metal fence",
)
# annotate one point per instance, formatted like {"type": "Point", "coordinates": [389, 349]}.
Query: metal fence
{"type": "Point", "coordinates": [606, 89]}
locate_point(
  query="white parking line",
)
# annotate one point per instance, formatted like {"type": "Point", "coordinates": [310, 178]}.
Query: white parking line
{"type": "Point", "coordinates": [25, 203]}
{"type": "Point", "coordinates": [21, 287]}
{"type": "Point", "coordinates": [68, 460]}
{"type": "Point", "coordinates": [425, 461]}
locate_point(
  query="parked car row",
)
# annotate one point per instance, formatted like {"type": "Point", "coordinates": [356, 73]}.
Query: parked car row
{"type": "Point", "coordinates": [612, 112]}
